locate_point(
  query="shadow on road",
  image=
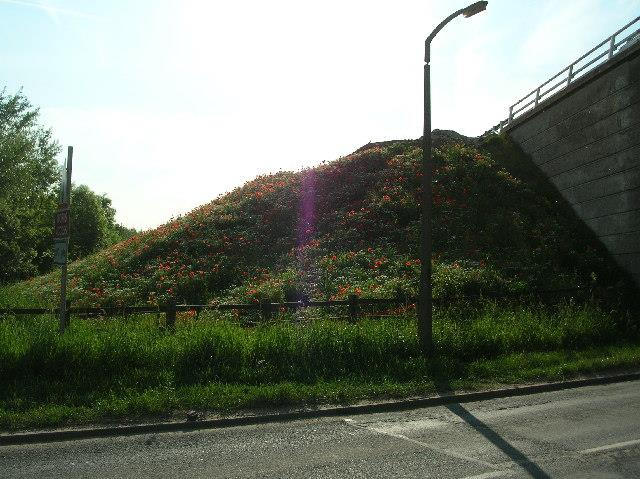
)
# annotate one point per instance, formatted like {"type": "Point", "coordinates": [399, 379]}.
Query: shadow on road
{"type": "Point", "coordinates": [517, 456]}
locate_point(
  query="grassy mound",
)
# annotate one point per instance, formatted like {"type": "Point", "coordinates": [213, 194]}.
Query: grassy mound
{"type": "Point", "coordinates": [347, 227]}
{"type": "Point", "coordinates": [350, 227]}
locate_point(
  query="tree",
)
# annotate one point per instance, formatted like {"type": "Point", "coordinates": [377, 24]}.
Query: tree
{"type": "Point", "coordinates": [28, 174]}
{"type": "Point", "coordinates": [29, 187]}
{"type": "Point", "coordinates": [93, 225]}
{"type": "Point", "coordinates": [89, 226]}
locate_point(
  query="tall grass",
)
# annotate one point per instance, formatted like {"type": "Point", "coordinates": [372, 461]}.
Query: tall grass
{"type": "Point", "coordinates": [119, 367]}
{"type": "Point", "coordinates": [135, 351]}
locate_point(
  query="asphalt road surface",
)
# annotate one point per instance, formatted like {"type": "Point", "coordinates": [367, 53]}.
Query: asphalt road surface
{"type": "Point", "coordinates": [590, 432]}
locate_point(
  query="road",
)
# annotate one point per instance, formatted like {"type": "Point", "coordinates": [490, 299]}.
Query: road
{"type": "Point", "coordinates": [589, 432]}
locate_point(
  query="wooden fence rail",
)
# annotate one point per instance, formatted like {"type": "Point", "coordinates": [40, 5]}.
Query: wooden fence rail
{"type": "Point", "coordinates": [354, 305]}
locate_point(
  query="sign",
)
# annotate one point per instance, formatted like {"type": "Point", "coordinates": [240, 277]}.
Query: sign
{"type": "Point", "coordinates": [61, 227]}
{"type": "Point", "coordinates": [60, 249]}
{"type": "Point", "coordinates": [64, 182]}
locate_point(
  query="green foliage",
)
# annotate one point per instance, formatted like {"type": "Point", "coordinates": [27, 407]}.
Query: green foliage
{"type": "Point", "coordinates": [352, 227]}
{"type": "Point", "coordinates": [93, 223]}
{"type": "Point", "coordinates": [201, 351]}
{"type": "Point", "coordinates": [27, 174]}
{"type": "Point", "coordinates": [29, 183]}
{"type": "Point", "coordinates": [88, 221]}
{"type": "Point", "coordinates": [117, 367]}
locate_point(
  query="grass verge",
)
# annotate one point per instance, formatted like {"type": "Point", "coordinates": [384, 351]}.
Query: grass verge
{"type": "Point", "coordinates": [114, 370]}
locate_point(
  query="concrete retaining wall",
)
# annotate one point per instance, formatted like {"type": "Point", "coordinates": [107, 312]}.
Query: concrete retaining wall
{"type": "Point", "coordinates": [586, 139]}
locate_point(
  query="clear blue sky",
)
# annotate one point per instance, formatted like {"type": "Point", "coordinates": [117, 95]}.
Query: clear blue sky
{"type": "Point", "coordinates": [170, 103]}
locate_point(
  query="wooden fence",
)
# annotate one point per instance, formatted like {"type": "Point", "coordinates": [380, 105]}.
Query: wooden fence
{"type": "Point", "coordinates": [354, 305]}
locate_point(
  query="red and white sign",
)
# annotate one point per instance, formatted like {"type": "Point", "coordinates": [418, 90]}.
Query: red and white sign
{"type": "Point", "coordinates": [61, 228]}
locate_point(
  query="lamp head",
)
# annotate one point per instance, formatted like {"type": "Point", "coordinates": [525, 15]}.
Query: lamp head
{"type": "Point", "coordinates": [475, 8]}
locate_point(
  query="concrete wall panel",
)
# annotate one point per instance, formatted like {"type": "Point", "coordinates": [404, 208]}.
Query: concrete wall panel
{"type": "Point", "coordinates": [615, 223]}
{"type": "Point", "coordinates": [584, 118]}
{"type": "Point", "coordinates": [609, 185]}
{"type": "Point", "coordinates": [624, 243]}
{"type": "Point", "coordinates": [605, 147]}
{"type": "Point", "coordinates": [617, 203]}
{"type": "Point", "coordinates": [586, 139]}
{"type": "Point", "coordinates": [606, 84]}
{"type": "Point", "coordinates": [600, 168]}
{"type": "Point", "coordinates": [617, 121]}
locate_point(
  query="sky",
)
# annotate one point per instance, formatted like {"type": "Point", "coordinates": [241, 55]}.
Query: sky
{"type": "Point", "coordinates": [171, 103]}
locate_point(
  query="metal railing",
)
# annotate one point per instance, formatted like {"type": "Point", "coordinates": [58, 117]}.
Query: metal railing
{"type": "Point", "coordinates": [604, 50]}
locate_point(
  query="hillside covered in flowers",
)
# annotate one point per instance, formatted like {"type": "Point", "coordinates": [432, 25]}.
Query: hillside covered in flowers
{"type": "Point", "coordinates": [351, 226]}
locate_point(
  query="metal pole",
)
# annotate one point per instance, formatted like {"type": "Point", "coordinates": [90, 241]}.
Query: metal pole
{"type": "Point", "coordinates": [425, 301]}
{"type": "Point", "coordinates": [63, 277]}
{"type": "Point", "coordinates": [425, 313]}
{"type": "Point", "coordinates": [612, 45]}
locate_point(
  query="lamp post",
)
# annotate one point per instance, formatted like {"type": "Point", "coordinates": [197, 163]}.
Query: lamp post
{"type": "Point", "coordinates": [425, 306]}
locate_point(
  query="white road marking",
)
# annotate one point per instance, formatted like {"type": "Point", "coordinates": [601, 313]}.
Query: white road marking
{"type": "Point", "coordinates": [489, 475]}
{"type": "Point", "coordinates": [427, 446]}
{"type": "Point", "coordinates": [609, 447]}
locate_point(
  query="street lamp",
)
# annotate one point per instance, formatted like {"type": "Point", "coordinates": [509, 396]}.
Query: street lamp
{"type": "Point", "coordinates": [425, 311]}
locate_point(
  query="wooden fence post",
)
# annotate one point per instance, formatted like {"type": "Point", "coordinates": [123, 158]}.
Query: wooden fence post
{"type": "Point", "coordinates": [67, 314]}
{"type": "Point", "coordinates": [354, 308]}
{"type": "Point", "coordinates": [265, 309]}
{"type": "Point", "coordinates": [401, 297]}
{"type": "Point", "coordinates": [170, 320]}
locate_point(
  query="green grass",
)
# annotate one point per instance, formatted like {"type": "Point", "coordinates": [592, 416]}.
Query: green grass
{"type": "Point", "coordinates": [347, 227]}
{"type": "Point", "coordinates": [103, 370]}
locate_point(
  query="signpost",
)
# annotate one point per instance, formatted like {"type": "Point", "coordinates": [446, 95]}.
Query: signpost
{"type": "Point", "coordinates": [60, 247]}
{"type": "Point", "coordinates": [62, 228]}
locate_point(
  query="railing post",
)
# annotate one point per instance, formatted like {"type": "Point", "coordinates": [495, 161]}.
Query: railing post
{"type": "Point", "coordinates": [170, 320]}
{"type": "Point", "coordinates": [401, 297]}
{"type": "Point", "coordinates": [612, 45]}
{"type": "Point", "coordinates": [354, 308]}
{"type": "Point", "coordinates": [67, 314]}
{"type": "Point", "coordinates": [537, 97]}
{"type": "Point", "coordinates": [265, 309]}
{"type": "Point", "coordinates": [510, 114]}
{"type": "Point", "coordinates": [570, 74]}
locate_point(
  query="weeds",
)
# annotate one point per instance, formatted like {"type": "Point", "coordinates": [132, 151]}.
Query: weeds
{"type": "Point", "coordinates": [118, 367]}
